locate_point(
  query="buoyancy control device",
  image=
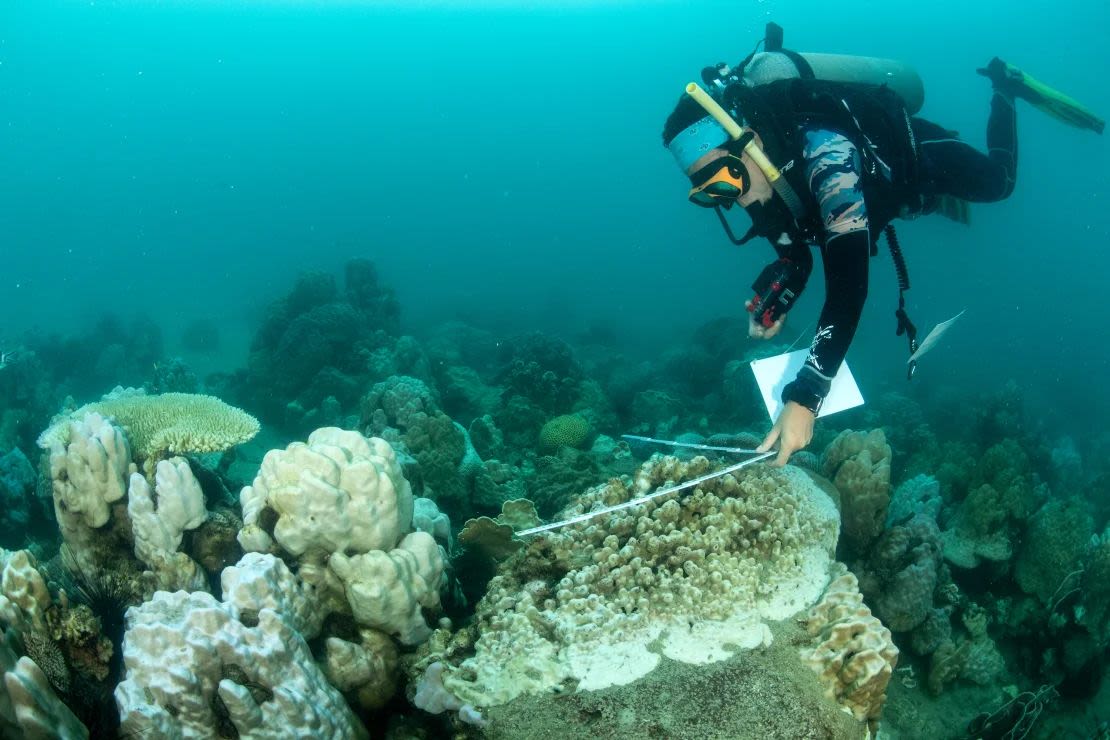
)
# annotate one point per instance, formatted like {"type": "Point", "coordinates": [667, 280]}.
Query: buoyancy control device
{"type": "Point", "coordinates": [870, 100]}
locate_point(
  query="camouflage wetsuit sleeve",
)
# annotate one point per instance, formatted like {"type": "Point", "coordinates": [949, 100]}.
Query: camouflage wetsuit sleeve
{"type": "Point", "coordinates": [833, 171]}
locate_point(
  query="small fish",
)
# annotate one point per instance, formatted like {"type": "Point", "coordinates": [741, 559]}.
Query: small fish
{"type": "Point", "coordinates": [934, 337]}
{"type": "Point", "coordinates": [6, 358]}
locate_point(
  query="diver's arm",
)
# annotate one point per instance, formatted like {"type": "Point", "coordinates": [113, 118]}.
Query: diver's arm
{"type": "Point", "coordinates": [833, 172]}
{"type": "Point", "coordinates": [797, 258]}
{"type": "Point", "coordinates": [845, 258]}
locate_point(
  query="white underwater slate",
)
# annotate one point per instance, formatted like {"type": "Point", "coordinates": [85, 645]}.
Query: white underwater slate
{"type": "Point", "coordinates": [773, 373]}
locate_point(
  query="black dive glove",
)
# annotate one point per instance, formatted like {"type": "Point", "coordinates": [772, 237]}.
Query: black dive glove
{"type": "Point", "coordinates": [776, 289]}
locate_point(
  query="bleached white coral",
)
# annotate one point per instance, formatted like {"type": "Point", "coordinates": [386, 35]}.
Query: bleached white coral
{"type": "Point", "coordinates": [344, 510]}
{"type": "Point", "coordinates": [29, 708]}
{"type": "Point", "coordinates": [24, 597]}
{"type": "Point", "coordinates": [253, 680]}
{"type": "Point", "coordinates": [261, 581]}
{"type": "Point", "coordinates": [158, 531]}
{"type": "Point", "coordinates": [387, 589]}
{"type": "Point", "coordinates": [89, 470]}
{"type": "Point", "coordinates": [692, 578]}
{"type": "Point", "coordinates": [339, 492]}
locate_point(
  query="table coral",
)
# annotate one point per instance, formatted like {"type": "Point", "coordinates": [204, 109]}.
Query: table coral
{"type": "Point", "coordinates": [165, 424]}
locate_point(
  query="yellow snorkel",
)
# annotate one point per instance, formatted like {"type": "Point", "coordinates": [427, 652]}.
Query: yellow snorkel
{"type": "Point", "coordinates": [735, 131]}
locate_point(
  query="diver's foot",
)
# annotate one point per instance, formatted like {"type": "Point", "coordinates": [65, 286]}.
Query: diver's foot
{"type": "Point", "coordinates": [1006, 78]}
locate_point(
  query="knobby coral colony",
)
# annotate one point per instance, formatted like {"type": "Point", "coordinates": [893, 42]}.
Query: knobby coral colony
{"type": "Point", "coordinates": [331, 592]}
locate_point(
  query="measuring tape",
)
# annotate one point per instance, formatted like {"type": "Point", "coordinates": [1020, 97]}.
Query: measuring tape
{"type": "Point", "coordinates": [656, 494]}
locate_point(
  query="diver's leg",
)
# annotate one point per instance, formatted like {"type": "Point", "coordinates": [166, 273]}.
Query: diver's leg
{"type": "Point", "coordinates": [950, 166]}
{"type": "Point", "coordinates": [1002, 144]}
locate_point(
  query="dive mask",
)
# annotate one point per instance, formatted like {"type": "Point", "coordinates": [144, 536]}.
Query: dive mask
{"type": "Point", "coordinates": [722, 181]}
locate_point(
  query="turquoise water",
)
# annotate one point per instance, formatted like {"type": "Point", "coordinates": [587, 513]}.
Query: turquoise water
{"type": "Point", "coordinates": [488, 156]}
{"type": "Point", "coordinates": [169, 163]}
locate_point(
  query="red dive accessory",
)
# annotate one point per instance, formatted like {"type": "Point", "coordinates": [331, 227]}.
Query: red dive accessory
{"type": "Point", "coordinates": [776, 289]}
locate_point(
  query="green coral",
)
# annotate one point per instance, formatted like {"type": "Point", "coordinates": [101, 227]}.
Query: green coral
{"type": "Point", "coordinates": [567, 430]}
{"type": "Point", "coordinates": [1055, 542]}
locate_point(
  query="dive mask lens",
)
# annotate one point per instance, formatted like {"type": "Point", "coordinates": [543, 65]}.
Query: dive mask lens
{"type": "Point", "coordinates": [720, 182]}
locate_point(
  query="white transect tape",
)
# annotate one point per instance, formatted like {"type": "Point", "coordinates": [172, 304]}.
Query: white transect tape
{"type": "Point", "coordinates": [661, 492]}
{"type": "Point", "coordinates": [689, 445]}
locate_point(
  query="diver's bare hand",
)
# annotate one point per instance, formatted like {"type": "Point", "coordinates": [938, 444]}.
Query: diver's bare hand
{"type": "Point", "coordinates": [793, 430]}
{"type": "Point", "coordinates": [757, 330]}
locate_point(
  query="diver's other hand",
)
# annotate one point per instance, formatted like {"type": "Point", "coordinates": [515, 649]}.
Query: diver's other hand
{"type": "Point", "coordinates": [757, 330]}
{"type": "Point", "coordinates": [793, 430]}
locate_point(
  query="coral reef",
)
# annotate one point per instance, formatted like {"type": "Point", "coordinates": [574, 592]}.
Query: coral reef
{"type": "Point", "coordinates": [1055, 541]}
{"type": "Point", "coordinates": [318, 342]}
{"type": "Point", "coordinates": [901, 573]}
{"type": "Point", "coordinates": [1001, 495]}
{"type": "Point", "coordinates": [22, 511]}
{"type": "Point", "coordinates": [692, 579]}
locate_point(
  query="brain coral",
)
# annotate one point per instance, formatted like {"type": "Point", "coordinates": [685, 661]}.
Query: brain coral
{"type": "Point", "coordinates": [166, 424]}
{"type": "Point", "coordinates": [568, 430]}
{"type": "Point", "coordinates": [690, 578]}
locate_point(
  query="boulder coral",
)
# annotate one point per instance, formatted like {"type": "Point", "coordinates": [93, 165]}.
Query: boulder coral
{"type": "Point", "coordinates": [858, 464]}
{"type": "Point", "coordinates": [339, 506]}
{"type": "Point", "coordinates": [855, 656]}
{"type": "Point", "coordinates": [693, 579]}
{"type": "Point", "coordinates": [566, 430]}
{"type": "Point", "coordinates": [1053, 547]}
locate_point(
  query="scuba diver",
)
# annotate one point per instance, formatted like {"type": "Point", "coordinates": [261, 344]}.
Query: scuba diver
{"type": "Point", "coordinates": [824, 150]}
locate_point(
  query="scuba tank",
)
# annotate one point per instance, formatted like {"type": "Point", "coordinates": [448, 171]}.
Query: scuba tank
{"type": "Point", "coordinates": [776, 63]}
{"type": "Point", "coordinates": [774, 91]}
{"type": "Point", "coordinates": [769, 66]}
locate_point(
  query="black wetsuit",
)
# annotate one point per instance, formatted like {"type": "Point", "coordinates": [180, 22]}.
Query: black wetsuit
{"type": "Point", "coordinates": [849, 226]}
